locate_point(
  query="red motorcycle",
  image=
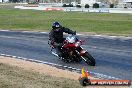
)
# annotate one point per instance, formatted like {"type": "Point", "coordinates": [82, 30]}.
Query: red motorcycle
{"type": "Point", "coordinates": [72, 51]}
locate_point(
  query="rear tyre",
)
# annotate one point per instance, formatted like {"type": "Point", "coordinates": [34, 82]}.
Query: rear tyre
{"type": "Point", "coordinates": [89, 59]}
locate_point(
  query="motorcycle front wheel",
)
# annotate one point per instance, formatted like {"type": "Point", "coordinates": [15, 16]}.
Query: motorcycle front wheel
{"type": "Point", "coordinates": [89, 59]}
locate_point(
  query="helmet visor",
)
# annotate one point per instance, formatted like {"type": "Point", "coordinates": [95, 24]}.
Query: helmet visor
{"type": "Point", "coordinates": [57, 26]}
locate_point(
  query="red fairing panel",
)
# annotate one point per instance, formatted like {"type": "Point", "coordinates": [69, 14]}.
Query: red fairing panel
{"type": "Point", "coordinates": [69, 46]}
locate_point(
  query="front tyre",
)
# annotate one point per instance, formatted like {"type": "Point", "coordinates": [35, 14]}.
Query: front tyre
{"type": "Point", "coordinates": [89, 59]}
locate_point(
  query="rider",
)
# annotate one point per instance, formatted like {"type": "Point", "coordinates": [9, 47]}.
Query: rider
{"type": "Point", "coordinates": [56, 36]}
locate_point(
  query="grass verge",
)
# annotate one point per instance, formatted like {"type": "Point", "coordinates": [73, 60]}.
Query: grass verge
{"type": "Point", "coordinates": [101, 23]}
{"type": "Point", "coordinates": [15, 77]}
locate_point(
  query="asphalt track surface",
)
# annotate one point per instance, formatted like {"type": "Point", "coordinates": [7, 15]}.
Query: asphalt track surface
{"type": "Point", "coordinates": [113, 55]}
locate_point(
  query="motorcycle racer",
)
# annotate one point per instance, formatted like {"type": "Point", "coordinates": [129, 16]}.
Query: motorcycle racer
{"type": "Point", "coordinates": [56, 36]}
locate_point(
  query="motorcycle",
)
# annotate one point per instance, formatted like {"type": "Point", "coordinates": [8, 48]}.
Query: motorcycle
{"type": "Point", "coordinates": [72, 51]}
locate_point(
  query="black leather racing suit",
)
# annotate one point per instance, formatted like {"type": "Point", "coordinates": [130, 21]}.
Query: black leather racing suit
{"type": "Point", "coordinates": [56, 37]}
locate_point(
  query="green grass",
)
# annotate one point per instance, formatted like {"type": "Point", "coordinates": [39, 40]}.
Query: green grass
{"type": "Point", "coordinates": [102, 23]}
{"type": "Point", "coordinates": [15, 77]}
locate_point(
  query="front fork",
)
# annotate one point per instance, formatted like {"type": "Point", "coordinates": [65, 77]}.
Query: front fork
{"type": "Point", "coordinates": [81, 54]}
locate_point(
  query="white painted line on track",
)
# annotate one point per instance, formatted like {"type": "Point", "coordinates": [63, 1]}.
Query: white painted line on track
{"type": "Point", "coordinates": [4, 30]}
{"type": "Point", "coordinates": [18, 38]}
{"type": "Point", "coordinates": [70, 67]}
{"type": "Point", "coordinates": [33, 32]}
{"type": "Point", "coordinates": [60, 65]}
{"type": "Point", "coordinates": [14, 56]}
{"type": "Point", "coordinates": [2, 54]}
{"type": "Point", "coordinates": [44, 32]}
{"type": "Point", "coordinates": [10, 37]}
{"type": "Point", "coordinates": [74, 68]}
{"type": "Point", "coordinates": [8, 55]}
{"type": "Point", "coordinates": [104, 36]}
{"type": "Point", "coordinates": [65, 66]}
